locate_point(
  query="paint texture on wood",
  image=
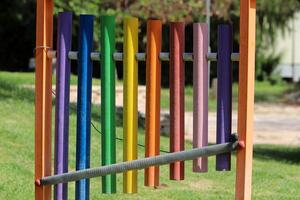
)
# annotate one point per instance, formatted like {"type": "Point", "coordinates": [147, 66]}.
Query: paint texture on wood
{"type": "Point", "coordinates": [177, 96]}
{"type": "Point", "coordinates": [43, 96]}
{"type": "Point", "coordinates": [83, 139]}
{"type": "Point", "coordinates": [224, 93]}
{"type": "Point", "coordinates": [200, 89]}
{"type": "Point", "coordinates": [108, 127]}
{"type": "Point", "coordinates": [153, 81]}
{"type": "Point", "coordinates": [63, 65]}
{"type": "Point", "coordinates": [246, 99]}
{"type": "Point", "coordinates": [130, 114]}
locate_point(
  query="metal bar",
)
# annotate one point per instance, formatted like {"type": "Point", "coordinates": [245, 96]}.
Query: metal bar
{"type": "Point", "coordinates": [164, 56]}
{"type": "Point", "coordinates": [140, 164]}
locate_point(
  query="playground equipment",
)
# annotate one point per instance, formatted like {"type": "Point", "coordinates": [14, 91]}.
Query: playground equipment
{"type": "Point", "coordinates": [130, 56]}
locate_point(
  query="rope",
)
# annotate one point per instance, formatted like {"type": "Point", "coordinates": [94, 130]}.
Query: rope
{"type": "Point", "coordinates": [41, 47]}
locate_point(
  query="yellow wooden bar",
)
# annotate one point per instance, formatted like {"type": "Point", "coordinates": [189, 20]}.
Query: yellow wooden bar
{"type": "Point", "coordinates": [43, 96]}
{"type": "Point", "coordinates": [246, 99]}
{"type": "Point", "coordinates": [130, 123]}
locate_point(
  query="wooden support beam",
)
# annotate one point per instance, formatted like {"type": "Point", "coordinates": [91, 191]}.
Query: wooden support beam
{"type": "Point", "coordinates": [43, 96]}
{"type": "Point", "coordinates": [246, 99]}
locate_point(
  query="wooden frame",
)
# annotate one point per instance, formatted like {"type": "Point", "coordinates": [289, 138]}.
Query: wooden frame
{"type": "Point", "coordinates": [43, 101]}
{"type": "Point", "coordinates": [246, 99]}
{"type": "Point", "coordinates": [43, 96]}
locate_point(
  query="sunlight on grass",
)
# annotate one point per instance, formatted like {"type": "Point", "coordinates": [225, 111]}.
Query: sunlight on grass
{"type": "Point", "coordinates": [275, 170]}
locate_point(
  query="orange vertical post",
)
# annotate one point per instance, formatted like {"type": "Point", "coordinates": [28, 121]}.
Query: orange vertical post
{"type": "Point", "coordinates": [153, 80]}
{"type": "Point", "coordinates": [246, 99]}
{"type": "Point", "coordinates": [43, 96]}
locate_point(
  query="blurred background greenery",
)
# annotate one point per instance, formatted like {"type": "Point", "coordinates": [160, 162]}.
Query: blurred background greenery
{"type": "Point", "coordinates": [276, 164]}
{"type": "Point", "coordinates": [17, 33]}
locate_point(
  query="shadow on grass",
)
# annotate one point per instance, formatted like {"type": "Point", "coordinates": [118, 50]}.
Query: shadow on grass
{"type": "Point", "coordinates": [96, 115]}
{"type": "Point", "coordinates": [12, 91]}
{"type": "Point", "coordinates": [278, 153]}
{"type": "Point", "coordinates": [15, 92]}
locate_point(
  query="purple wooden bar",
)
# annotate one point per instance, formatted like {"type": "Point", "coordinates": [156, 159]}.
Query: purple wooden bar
{"type": "Point", "coordinates": [224, 93]}
{"type": "Point", "coordinates": [64, 35]}
{"type": "Point", "coordinates": [200, 90]}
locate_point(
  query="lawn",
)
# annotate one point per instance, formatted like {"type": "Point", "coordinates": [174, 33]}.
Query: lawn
{"type": "Point", "coordinates": [264, 91]}
{"type": "Point", "coordinates": [275, 173]}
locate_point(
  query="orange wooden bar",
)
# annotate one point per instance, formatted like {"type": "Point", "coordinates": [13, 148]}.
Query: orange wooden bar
{"type": "Point", "coordinates": [153, 81]}
{"type": "Point", "coordinates": [246, 99]}
{"type": "Point", "coordinates": [43, 96]}
{"type": "Point", "coordinates": [177, 97]}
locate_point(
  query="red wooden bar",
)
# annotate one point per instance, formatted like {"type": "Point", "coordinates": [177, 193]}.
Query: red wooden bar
{"type": "Point", "coordinates": [176, 97]}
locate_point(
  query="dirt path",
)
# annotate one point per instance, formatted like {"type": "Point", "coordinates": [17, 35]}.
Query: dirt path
{"type": "Point", "coordinates": [273, 123]}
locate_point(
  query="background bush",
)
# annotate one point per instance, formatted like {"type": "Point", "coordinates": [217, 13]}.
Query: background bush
{"type": "Point", "coordinates": [17, 33]}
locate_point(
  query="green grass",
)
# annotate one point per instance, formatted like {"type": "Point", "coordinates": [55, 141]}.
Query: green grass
{"type": "Point", "coordinates": [264, 91]}
{"type": "Point", "coordinates": [275, 173]}
{"type": "Point", "coordinates": [21, 78]}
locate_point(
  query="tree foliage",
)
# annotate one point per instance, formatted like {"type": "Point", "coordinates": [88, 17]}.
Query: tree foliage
{"type": "Point", "coordinates": [17, 33]}
{"type": "Point", "coordinates": [17, 21]}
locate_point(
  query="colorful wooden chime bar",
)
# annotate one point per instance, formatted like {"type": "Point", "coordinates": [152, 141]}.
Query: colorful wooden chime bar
{"type": "Point", "coordinates": [200, 93]}
{"type": "Point", "coordinates": [130, 113]}
{"type": "Point", "coordinates": [153, 81]}
{"type": "Point", "coordinates": [108, 128]}
{"type": "Point", "coordinates": [63, 69]}
{"type": "Point", "coordinates": [107, 43]}
{"type": "Point", "coordinates": [224, 93]}
{"type": "Point", "coordinates": [177, 96]}
{"type": "Point", "coordinates": [83, 139]}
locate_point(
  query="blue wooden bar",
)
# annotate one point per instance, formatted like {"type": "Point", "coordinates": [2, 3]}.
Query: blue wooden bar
{"type": "Point", "coordinates": [84, 102]}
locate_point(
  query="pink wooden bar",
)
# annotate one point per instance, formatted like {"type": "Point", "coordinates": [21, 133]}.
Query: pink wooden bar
{"type": "Point", "coordinates": [200, 87]}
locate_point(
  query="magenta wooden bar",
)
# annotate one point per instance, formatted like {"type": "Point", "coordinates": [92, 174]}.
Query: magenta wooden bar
{"type": "Point", "coordinates": [200, 90]}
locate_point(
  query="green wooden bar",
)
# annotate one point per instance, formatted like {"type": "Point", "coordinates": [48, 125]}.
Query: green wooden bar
{"type": "Point", "coordinates": [108, 128]}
